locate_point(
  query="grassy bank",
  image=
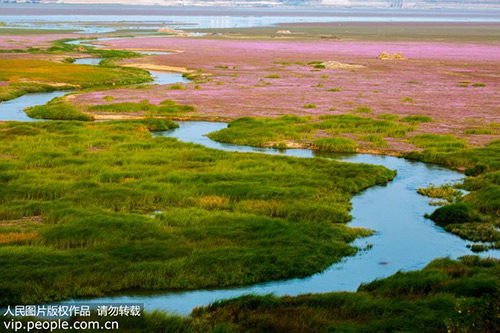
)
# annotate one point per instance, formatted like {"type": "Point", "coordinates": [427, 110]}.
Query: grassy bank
{"type": "Point", "coordinates": [475, 216]}
{"type": "Point", "coordinates": [290, 131]}
{"type": "Point", "coordinates": [446, 296]}
{"type": "Point", "coordinates": [57, 109]}
{"type": "Point", "coordinates": [60, 109]}
{"type": "Point", "coordinates": [84, 203]}
{"type": "Point", "coordinates": [29, 75]}
{"type": "Point", "coordinates": [110, 57]}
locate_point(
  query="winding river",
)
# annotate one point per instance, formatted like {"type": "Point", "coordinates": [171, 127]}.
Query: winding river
{"type": "Point", "coordinates": [13, 110]}
{"type": "Point", "coordinates": [404, 239]}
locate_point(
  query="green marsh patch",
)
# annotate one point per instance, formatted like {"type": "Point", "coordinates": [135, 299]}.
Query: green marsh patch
{"type": "Point", "coordinates": [30, 76]}
{"type": "Point", "coordinates": [474, 216]}
{"type": "Point", "coordinates": [284, 130]}
{"type": "Point", "coordinates": [167, 107]}
{"type": "Point", "coordinates": [447, 295]}
{"type": "Point", "coordinates": [221, 218]}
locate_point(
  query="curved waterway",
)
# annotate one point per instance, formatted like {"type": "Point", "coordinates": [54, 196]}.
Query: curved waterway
{"type": "Point", "coordinates": [13, 110]}
{"type": "Point", "coordinates": [404, 239]}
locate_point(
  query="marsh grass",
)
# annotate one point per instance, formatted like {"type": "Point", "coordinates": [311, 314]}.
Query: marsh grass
{"type": "Point", "coordinates": [416, 119]}
{"type": "Point", "coordinates": [266, 131]}
{"type": "Point", "coordinates": [15, 90]}
{"type": "Point", "coordinates": [474, 216]}
{"type": "Point", "coordinates": [363, 109]}
{"type": "Point", "coordinates": [446, 192]}
{"type": "Point", "coordinates": [447, 295]}
{"type": "Point", "coordinates": [309, 106]}
{"type": "Point", "coordinates": [57, 109]}
{"type": "Point", "coordinates": [438, 142]}
{"type": "Point", "coordinates": [482, 131]}
{"type": "Point", "coordinates": [376, 141]}
{"type": "Point", "coordinates": [30, 76]}
{"type": "Point", "coordinates": [165, 108]}
{"type": "Point", "coordinates": [124, 107]}
{"type": "Point", "coordinates": [335, 145]}
{"type": "Point", "coordinates": [227, 218]}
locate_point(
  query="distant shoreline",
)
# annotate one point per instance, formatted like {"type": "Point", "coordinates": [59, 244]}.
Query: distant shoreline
{"type": "Point", "coordinates": [18, 9]}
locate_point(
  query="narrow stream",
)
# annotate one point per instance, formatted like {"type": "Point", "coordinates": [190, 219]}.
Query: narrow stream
{"type": "Point", "coordinates": [13, 110]}
{"type": "Point", "coordinates": [405, 240]}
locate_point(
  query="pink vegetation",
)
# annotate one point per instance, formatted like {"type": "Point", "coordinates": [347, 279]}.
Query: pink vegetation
{"type": "Point", "coordinates": [436, 80]}
{"type": "Point", "coordinates": [22, 42]}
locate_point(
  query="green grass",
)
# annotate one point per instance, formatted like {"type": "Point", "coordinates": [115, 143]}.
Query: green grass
{"type": "Point", "coordinates": [446, 192]}
{"type": "Point", "coordinates": [270, 131]}
{"type": "Point", "coordinates": [388, 116]}
{"type": "Point", "coordinates": [446, 296]}
{"type": "Point", "coordinates": [110, 57]}
{"type": "Point", "coordinates": [335, 145]}
{"type": "Point", "coordinates": [438, 142]}
{"type": "Point", "coordinates": [363, 109]}
{"type": "Point", "coordinates": [30, 75]}
{"type": "Point", "coordinates": [166, 108]}
{"type": "Point", "coordinates": [125, 107]}
{"type": "Point", "coordinates": [225, 218]}
{"type": "Point", "coordinates": [57, 109]}
{"type": "Point", "coordinates": [480, 209]}
{"type": "Point", "coordinates": [416, 119]}
{"type": "Point", "coordinates": [15, 90]}
{"type": "Point", "coordinates": [264, 131]}
{"type": "Point", "coordinates": [176, 86]}
{"type": "Point", "coordinates": [377, 141]}
{"type": "Point", "coordinates": [60, 109]}
{"type": "Point", "coordinates": [481, 163]}
{"type": "Point", "coordinates": [355, 124]}
{"type": "Point", "coordinates": [475, 131]}
{"type": "Point", "coordinates": [170, 107]}
{"type": "Point", "coordinates": [407, 100]}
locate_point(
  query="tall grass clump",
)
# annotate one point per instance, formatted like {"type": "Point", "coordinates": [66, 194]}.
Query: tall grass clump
{"type": "Point", "coordinates": [416, 119]}
{"type": "Point", "coordinates": [58, 109]}
{"type": "Point", "coordinates": [273, 131]}
{"type": "Point", "coordinates": [264, 131]}
{"type": "Point", "coordinates": [335, 145]}
{"type": "Point", "coordinates": [125, 107]}
{"type": "Point", "coordinates": [437, 141]}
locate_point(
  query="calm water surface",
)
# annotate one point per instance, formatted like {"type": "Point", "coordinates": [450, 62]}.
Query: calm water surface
{"type": "Point", "coordinates": [239, 18]}
{"type": "Point", "coordinates": [13, 109]}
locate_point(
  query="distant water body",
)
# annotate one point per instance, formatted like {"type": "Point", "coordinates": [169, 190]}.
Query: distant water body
{"type": "Point", "coordinates": [92, 19]}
